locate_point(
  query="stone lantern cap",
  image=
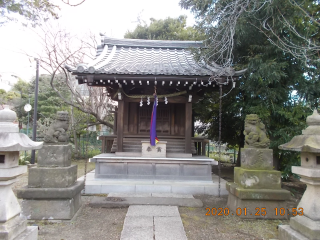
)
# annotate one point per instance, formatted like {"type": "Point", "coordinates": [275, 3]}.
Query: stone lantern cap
{"type": "Point", "coordinates": [10, 138]}
{"type": "Point", "coordinates": [309, 141]}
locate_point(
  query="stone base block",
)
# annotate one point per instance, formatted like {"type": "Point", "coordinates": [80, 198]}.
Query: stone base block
{"type": "Point", "coordinates": [306, 226]}
{"type": "Point", "coordinates": [13, 227]}
{"type": "Point", "coordinates": [287, 233]}
{"type": "Point", "coordinates": [257, 194]}
{"type": "Point", "coordinates": [174, 169]}
{"type": "Point", "coordinates": [50, 193]}
{"type": "Point", "coordinates": [256, 158]}
{"type": "Point", "coordinates": [51, 209]}
{"type": "Point", "coordinates": [54, 155]}
{"type": "Point", "coordinates": [59, 177]}
{"type": "Point", "coordinates": [257, 179]}
{"type": "Point", "coordinates": [255, 208]}
{"type": "Point", "coordinates": [31, 233]}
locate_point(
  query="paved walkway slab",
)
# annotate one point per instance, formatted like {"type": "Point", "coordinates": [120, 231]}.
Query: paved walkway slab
{"type": "Point", "coordinates": [154, 211]}
{"type": "Point", "coordinates": [153, 223]}
{"type": "Point", "coordinates": [169, 228]}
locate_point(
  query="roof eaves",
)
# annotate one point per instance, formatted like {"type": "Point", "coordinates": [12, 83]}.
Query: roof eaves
{"type": "Point", "coordinates": [152, 43]}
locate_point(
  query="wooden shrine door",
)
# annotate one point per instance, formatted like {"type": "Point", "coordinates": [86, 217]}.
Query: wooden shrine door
{"type": "Point", "coordinates": [170, 120]}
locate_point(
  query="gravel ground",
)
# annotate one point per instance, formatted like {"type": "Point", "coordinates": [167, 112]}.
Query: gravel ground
{"type": "Point", "coordinates": [199, 226]}
{"type": "Point", "coordinates": [88, 223]}
{"type": "Point", "coordinates": [107, 223]}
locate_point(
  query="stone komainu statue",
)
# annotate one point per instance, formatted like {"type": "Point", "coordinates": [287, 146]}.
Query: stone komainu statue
{"type": "Point", "coordinates": [255, 133]}
{"type": "Point", "coordinates": [57, 131]}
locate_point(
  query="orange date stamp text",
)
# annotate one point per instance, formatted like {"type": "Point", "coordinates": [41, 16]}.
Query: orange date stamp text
{"type": "Point", "coordinates": [258, 212]}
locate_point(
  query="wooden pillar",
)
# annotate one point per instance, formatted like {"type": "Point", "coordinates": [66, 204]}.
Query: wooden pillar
{"type": "Point", "coordinates": [193, 118]}
{"type": "Point", "coordinates": [199, 148]}
{"type": "Point", "coordinates": [188, 127]}
{"type": "Point", "coordinates": [203, 147]}
{"type": "Point", "coordinates": [120, 126]}
{"type": "Point", "coordinates": [103, 150]}
{"type": "Point", "coordinates": [115, 122]}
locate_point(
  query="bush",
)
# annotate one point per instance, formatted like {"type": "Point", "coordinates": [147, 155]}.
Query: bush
{"type": "Point", "coordinates": [222, 158]}
{"type": "Point", "coordinates": [93, 152]}
{"type": "Point", "coordinates": [24, 159]}
{"type": "Point", "coordinates": [287, 160]}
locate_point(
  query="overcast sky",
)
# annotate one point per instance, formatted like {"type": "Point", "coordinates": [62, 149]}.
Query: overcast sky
{"type": "Point", "coordinates": [111, 17]}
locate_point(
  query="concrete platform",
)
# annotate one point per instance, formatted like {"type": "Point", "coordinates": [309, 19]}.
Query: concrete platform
{"type": "Point", "coordinates": [127, 199]}
{"type": "Point", "coordinates": [104, 186]}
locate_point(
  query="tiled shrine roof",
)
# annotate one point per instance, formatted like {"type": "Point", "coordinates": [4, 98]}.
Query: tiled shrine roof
{"type": "Point", "coordinates": [148, 57]}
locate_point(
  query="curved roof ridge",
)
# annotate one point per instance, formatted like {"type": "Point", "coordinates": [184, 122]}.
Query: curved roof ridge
{"type": "Point", "coordinates": [151, 43]}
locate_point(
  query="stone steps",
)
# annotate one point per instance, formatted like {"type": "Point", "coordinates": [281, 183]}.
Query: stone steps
{"type": "Point", "coordinates": [104, 186]}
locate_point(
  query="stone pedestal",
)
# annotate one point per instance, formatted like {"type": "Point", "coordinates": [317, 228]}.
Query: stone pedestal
{"type": "Point", "coordinates": [53, 191]}
{"type": "Point", "coordinates": [13, 226]}
{"type": "Point", "coordinates": [256, 187]}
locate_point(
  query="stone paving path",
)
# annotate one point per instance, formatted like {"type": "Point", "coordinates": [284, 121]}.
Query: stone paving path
{"type": "Point", "coordinates": [151, 222]}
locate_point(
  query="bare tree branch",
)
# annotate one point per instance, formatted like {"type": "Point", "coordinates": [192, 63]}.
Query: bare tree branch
{"type": "Point", "coordinates": [219, 20]}
{"type": "Point", "coordinates": [60, 48]}
{"type": "Point", "coordinates": [72, 5]}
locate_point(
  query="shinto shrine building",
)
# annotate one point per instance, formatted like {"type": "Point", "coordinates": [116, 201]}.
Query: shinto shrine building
{"type": "Point", "coordinates": [130, 69]}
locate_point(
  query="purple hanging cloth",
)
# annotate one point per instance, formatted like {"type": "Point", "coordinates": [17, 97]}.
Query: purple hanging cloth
{"type": "Point", "coordinates": [153, 126]}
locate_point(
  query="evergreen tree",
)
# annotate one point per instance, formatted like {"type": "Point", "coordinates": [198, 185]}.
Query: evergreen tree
{"type": "Point", "coordinates": [167, 29]}
{"type": "Point", "coordinates": [33, 11]}
{"type": "Point", "coordinates": [277, 86]}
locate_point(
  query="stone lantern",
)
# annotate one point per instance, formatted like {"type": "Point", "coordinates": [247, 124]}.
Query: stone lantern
{"type": "Point", "coordinates": [12, 224]}
{"type": "Point", "coordinates": [306, 224]}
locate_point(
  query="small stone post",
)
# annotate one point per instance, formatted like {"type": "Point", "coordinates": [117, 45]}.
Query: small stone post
{"type": "Point", "coordinates": [160, 150]}
{"type": "Point", "coordinates": [256, 191]}
{"type": "Point", "coordinates": [53, 191]}
{"type": "Point", "coordinates": [12, 224]}
{"type": "Point", "coordinates": [306, 223]}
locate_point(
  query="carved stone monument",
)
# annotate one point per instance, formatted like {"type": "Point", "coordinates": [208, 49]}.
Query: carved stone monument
{"type": "Point", "coordinates": [306, 223]}
{"type": "Point", "coordinates": [12, 224]}
{"type": "Point", "coordinates": [53, 191]}
{"type": "Point", "coordinates": [57, 131]}
{"type": "Point", "coordinates": [160, 150]}
{"type": "Point", "coordinates": [256, 191]}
